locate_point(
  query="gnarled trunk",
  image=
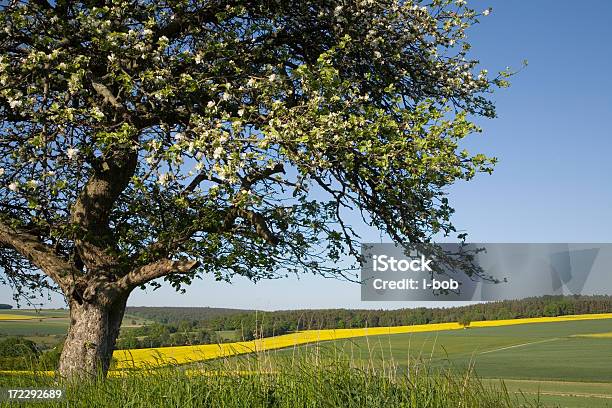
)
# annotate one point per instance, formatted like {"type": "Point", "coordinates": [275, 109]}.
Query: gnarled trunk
{"type": "Point", "coordinates": [91, 338]}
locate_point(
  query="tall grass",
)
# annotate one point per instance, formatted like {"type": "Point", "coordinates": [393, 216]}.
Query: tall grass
{"type": "Point", "coordinates": [318, 377]}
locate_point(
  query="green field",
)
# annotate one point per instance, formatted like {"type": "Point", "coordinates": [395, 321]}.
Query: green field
{"type": "Point", "coordinates": [49, 325]}
{"type": "Point", "coordinates": [545, 351]}
{"type": "Point", "coordinates": [560, 393]}
{"type": "Point", "coordinates": [42, 313]}
{"type": "Point", "coordinates": [544, 358]}
{"type": "Point", "coordinates": [564, 364]}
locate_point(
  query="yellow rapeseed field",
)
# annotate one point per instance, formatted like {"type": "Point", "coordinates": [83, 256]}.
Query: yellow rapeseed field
{"type": "Point", "coordinates": [595, 335]}
{"type": "Point", "coordinates": [151, 357]}
{"type": "Point", "coordinates": [8, 316]}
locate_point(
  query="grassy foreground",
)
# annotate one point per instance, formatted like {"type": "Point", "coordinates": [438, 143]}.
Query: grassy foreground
{"type": "Point", "coordinates": [306, 381]}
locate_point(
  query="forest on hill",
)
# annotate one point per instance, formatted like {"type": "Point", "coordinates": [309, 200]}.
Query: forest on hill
{"type": "Point", "coordinates": [165, 314]}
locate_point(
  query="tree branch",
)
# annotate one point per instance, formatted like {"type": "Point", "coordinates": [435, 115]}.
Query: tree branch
{"type": "Point", "coordinates": [41, 255]}
{"type": "Point", "coordinates": [106, 94]}
{"type": "Point", "coordinates": [251, 179]}
{"type": "Point", "coordinates": [256, 220]}
{"type": "Point", "coordinates": [157, 269]}
{"type": "Point", "coordinates": [93, 206]}
{"type": "Point", "coordinates": [247, 182]}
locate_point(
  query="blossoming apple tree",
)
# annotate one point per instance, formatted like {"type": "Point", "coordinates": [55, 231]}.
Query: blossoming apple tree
{"type": "Point", "coordinates": [166, 139]}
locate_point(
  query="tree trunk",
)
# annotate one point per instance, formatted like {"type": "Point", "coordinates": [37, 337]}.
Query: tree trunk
{"type": "Point", "coordinates": [88, 349]}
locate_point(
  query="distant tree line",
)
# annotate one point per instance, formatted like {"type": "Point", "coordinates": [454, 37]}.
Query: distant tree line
{"type": "Point", "coordinates": [4, 306]}
{"type": "Point", "coordinates": [264, 324]}
{"type": "Point", "coordinates": [251, 324]}
{"type": "Point", "coordinates": [175, 314]}
{"type": "Point", "coordinates": [183, 333]}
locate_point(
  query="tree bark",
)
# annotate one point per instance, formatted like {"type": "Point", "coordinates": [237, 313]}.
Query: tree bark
{"type": "Point", "coordinates": [94, 328]}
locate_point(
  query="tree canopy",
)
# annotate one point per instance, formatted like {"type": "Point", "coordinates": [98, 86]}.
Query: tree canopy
{"type": "Point", "coordinates": [141, 139]}
{"type": "Point", "coordinates": [148, 139]}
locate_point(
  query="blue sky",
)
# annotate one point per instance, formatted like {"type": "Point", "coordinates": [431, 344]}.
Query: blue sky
{"type": "Point", "coordinates": [553, 138]}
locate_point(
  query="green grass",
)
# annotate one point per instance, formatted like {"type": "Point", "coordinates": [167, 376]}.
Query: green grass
{"type": "Point", "coordinates": [134, 321]}
{"type": "Point", "coordinates": [571, 371]}
{"type": "Point", "coordinates": [228, 335]}
{"type": "Point", "coordinates": [310, 380]}
{"type": "Point", "coordinates": [543, 361]}
{"type": "Point", "coordinates": [43, 313]}
{"type": "Point", "coordinates": [545, 351]}
{"type": "Point", "coordinates": [561, 393]}
{"type": "Point", "coordinates": [34, 328]}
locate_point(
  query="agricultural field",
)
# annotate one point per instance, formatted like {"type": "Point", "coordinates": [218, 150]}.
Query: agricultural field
{"type": "Point", "coordinates": [567, 364]}
{"type": "Point", "coordinates": [544, 351]}
{"type": "Point", "coordinates": [565, 361]}
{"type": "Point", "coordinates": [13, 314]}
{"type": "Point", "coordinates": [186, 354]}
{"type": "Point", "coordinates": [562, 361]}
{"type": "Point", "coordinates": [8, 316]}
{"type": "Point", "coordinates": [559, 393]}
{"type": "Point", "coordinates": [45, 327]}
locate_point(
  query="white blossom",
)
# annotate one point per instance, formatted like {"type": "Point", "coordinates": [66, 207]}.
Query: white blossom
{"type": "Point", "coordinates": [72, 153]}
{"type": "Point", "coordinates": [15, 103]}
{"type": "Point", "coordinates": [217, 153]}
{"type": "Point", "coordinates": [1, 171]}
{"type": "Point", "coordinates": [163, 179]}
{"type": "Point", "coordinates": [272, 78]}
{"type": "Point", "coordinates": [486, 12]}
{"type": "Point", "coordinates": [13, 186]}
{"type": "Point", "coordinates": [210, 104]}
